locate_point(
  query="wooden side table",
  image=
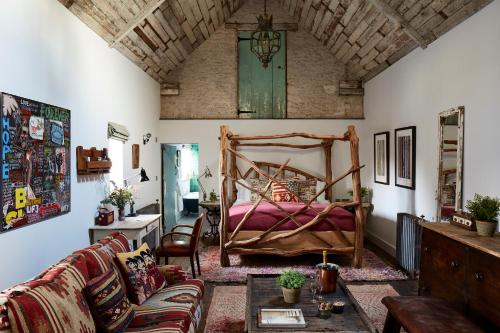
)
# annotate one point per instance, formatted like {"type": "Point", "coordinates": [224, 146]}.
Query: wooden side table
{"type": "Point", "coordinates": [139, 229]}
{"type": "Point", "coordinates": [212, 209]}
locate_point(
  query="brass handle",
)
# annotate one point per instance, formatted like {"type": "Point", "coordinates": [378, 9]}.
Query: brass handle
{"type": "Point", "coordinates": [454, 264]}
{"type": "Point", "coordinates": [479, 276]}
{"type": "Point", "coordinates": [427, 249]}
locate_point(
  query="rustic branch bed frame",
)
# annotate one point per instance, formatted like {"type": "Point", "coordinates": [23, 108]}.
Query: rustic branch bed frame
{"type": "Point", "coordinates": [265, 241]}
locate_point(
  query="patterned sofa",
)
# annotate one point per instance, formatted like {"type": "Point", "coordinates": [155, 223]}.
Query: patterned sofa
{"type": "Point", "coordinates": [54, 300]}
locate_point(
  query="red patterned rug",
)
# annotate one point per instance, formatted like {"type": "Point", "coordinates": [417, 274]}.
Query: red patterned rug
{"type": "Point", "coordinates": [374, 269]}
{"type": "Point", "coordinates": [227, 310]}
{"type": "Point", "coordinates": [369, 298]}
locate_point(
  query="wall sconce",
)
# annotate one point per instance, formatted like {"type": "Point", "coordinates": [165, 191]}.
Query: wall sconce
{"type": "Point", "coordinates": [146, 137]}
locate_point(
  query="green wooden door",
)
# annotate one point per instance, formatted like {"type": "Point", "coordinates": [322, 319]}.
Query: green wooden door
{"type": "Point", "coordinates": [262, 91]}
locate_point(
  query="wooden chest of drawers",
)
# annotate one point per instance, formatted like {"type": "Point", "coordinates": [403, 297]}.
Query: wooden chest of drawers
{"type": "Point", "coordinates": [462, 268]}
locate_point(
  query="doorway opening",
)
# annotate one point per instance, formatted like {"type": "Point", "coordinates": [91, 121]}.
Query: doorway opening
{"type": "Point", "coordinates": [179, 184]}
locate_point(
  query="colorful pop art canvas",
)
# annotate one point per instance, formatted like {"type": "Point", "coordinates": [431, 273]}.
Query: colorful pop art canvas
{"type": "Point", "coordinates": [35, 170]}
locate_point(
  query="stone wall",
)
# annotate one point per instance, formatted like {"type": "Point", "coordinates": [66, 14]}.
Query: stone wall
{"type": "Point", "coordinates": [209, 77]}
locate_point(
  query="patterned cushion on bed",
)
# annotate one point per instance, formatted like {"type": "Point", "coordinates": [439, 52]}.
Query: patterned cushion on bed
{"type": "Point", "coordinates": [304, 188]}
{"type": "Point", "coordinates": [259, 184]}
{"type": "Point", "coordinates": [280, 193]}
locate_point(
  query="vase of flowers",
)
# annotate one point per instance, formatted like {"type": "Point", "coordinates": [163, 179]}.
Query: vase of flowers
{"type": "Point", "coordinates": [119, 198]}
{"type": "Point", "coordinates": [485, 211]}
{"type": "Point", "coordinates": [291, 283]}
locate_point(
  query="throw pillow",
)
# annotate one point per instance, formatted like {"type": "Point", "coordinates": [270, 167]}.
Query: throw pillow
{"type": "Point", "coordinates": [140, 271]}
{"type": "Point", "coordinates": [280, 194]}
{"type": "Point", "coordinates": [109, 304]}
{"type": "Point", "coordinates": [322, 198]}
{"type": "Point", "coordinates": [305, 188]}
{"type": "Point", "coordinates": [244, 195]}
{"type": "Point", "coordinates": [259, 184]}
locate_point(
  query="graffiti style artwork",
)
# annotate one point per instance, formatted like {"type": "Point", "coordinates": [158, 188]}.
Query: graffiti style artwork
{"type": "Point", "coordinates": [35, 168]}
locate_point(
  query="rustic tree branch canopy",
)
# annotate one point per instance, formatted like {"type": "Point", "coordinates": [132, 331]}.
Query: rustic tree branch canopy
{"type": "Point", "coordinates": [268, 240]}
{"type": "Point", "coordinates": [366, 35]}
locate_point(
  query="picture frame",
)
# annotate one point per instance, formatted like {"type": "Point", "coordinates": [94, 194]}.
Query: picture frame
{"type": "Point", "coordinates": [381, 154]}
{"type": "Point", "coordinates": [135, 156]}
{"type": "Point", "coordinates": [405, 156]}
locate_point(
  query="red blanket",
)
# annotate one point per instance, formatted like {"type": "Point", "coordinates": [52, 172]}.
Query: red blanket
{"type": "Point", "coordinates": [266, 215]}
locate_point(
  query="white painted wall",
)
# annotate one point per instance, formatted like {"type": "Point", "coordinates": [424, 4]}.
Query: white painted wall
{"type": "Point", "coordinates": [51, 56]}
{"type": "Point", "coordinates": [460, 68]}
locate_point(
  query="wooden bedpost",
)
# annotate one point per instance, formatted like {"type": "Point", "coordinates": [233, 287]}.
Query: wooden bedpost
{"type": "Point", "coordinates": [356, 197]}
{"type": "Point", "coordinates": [232, 171]}
{"type": "Point", "coordinates": [224, 198]}
{"type": "Point", "coordinates": [327, 147]}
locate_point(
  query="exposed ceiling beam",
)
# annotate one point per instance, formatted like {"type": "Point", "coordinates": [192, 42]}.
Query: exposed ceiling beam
{"type": "Point", "coordinates": [394, 16]}
{"type": "Point", "coordinates": [145, 12]}
{"type": "Point", "coordinates": [254, 26]}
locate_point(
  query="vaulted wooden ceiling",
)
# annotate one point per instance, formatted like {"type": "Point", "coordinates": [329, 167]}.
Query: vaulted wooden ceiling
{"type": "Point", "coordinates": [366, 35]}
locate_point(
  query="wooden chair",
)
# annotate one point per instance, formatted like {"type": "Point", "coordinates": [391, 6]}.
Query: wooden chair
{"type": "Point", "coordinates": [181, 244]}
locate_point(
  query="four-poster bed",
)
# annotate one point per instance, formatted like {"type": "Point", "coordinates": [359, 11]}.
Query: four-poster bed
{"type": "Point", "coordinates": [305, 225]}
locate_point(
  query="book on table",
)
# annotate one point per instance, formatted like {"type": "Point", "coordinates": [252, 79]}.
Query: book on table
{"type": "Point", "coordinates": [285, 318]}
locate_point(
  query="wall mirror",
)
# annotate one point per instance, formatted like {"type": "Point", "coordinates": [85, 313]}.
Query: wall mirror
{"type": "Point", "coordinates": [450, 163]}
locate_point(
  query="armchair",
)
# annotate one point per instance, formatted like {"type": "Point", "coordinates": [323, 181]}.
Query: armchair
{"type": "Point", "coordinates": [181, 244]}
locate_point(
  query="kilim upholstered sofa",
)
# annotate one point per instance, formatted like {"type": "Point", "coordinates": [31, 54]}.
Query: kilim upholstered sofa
{"type": "Point", "coordinates": [54, 300]}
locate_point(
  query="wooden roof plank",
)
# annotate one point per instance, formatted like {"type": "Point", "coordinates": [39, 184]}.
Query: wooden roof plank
{"type": "Point", "coordinates": [393, 15]}
{"type": "Point", "coordinates": [146, 11]}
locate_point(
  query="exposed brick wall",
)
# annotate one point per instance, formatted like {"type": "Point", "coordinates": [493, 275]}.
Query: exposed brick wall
{"type": "Point", "coordinates": [208, 78]}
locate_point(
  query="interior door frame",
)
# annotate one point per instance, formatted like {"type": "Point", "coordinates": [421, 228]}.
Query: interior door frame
{"type": "Point", "coordinates": [237, 33]}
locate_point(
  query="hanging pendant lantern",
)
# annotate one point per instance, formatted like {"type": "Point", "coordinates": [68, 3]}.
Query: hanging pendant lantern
{"type": "Point", "coordinates": [265, 42]}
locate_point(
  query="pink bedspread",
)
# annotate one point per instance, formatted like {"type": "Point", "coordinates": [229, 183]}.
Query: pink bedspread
{"type": "Point", "coordinates": [266, 215]}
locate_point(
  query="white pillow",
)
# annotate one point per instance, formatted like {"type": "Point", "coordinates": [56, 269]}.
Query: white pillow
{"type": "Point", "coordinates": [244, 194]}
{"type": "Point", "coordinates": [319, 187]}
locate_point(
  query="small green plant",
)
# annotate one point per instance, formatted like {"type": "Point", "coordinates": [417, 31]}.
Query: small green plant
{"type": "Point", "coordinates": [364, 191]}
{"type": "Point", "coordinates": [484, 208]}
{"type": "Point", "coordinates": [291, 280]}
{"type": "Point", "coordinates": [119, 197]}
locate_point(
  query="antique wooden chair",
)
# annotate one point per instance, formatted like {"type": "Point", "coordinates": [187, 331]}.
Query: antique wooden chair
{"type": "Point", "coordinates": [181, 244]}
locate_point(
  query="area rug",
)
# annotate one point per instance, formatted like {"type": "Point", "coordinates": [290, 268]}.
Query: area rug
{"type": "Point", "coordinates": [227, 310]}
{"type": "Point", "coordinates": [374, 269]}
{"type": "Point", "coordinates": [369, 298]}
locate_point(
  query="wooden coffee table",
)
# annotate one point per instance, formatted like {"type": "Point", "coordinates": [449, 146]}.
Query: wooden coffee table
{"type": "Point", "coordinates": [263, 292]}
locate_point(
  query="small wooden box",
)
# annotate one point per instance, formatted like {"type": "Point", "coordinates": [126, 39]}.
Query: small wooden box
{"type": "Point", "coordinates": [105, 217]}
{"type": "Point", "coordinates": [463, 221]}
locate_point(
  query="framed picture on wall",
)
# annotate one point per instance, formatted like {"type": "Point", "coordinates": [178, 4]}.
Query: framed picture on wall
{"type": "Point", "coordinates": [381, 157]}
{"type": "Point", "coordinates": [405, 144]}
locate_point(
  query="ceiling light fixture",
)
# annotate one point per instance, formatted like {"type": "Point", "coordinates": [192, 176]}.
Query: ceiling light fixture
{"type": "Point", "coordinates": [265, 42]}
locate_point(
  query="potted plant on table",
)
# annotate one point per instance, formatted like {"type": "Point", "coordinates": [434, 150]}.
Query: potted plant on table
{"type": "Point", "coordinates": [119, 198]}
{"type": "Point", "coordinates": [485, 211]}
{"type": "Point", "coordinates": [291, 283]}
{"type": "Point", "coordinates": [365, 194]}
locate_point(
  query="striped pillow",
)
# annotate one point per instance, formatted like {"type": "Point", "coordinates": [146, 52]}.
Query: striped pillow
{"type": "Point", "coordinates": [110, 306]}
{"type": "Point", "coordinates": [280, 194]}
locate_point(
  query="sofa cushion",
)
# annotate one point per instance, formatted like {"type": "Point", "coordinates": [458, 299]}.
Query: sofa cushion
{"type": "Point", "coordinates": [141, 274]}
{"type": "Point", "coordinates": [100, 257]}
{"type": "Point", "coordinates": [52, 303]}
{"type": "Point", "coordinates": [180, 302]}
{"type": "Point", "coordinates": [109, 303]}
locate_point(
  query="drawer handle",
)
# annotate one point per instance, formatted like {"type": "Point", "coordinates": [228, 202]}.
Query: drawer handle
{"type": "Point", "coordinates": [479, 276]}
{"type": "Point", "coordinates": [454, 264]}
{"type": "Point", "coordinates": [427, 249]}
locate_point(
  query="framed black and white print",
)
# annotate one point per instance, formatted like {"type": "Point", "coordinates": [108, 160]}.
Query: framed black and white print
{"type": "Point", "coordinates": [405, 143]}
{"type": "Point", "coordinates": [381, 157]}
